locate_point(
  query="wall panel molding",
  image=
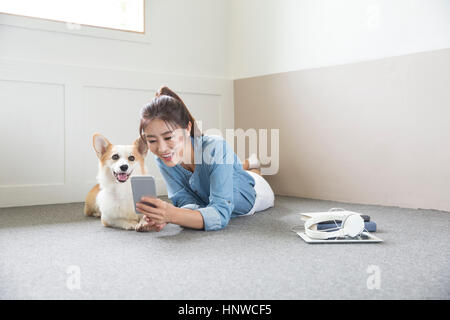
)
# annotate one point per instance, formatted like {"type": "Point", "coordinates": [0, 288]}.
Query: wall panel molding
{"type": "Point", "coordinates": [83, 101]}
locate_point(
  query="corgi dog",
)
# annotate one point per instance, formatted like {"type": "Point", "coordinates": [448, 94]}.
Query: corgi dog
{"type": "Point", "coordinates": [112, 199]}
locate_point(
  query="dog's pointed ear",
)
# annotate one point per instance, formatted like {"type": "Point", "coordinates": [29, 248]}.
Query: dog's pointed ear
{"type": "Point", "coordinates": [100, 144]}
{"type": "Point", "coordinates": [141, 146]}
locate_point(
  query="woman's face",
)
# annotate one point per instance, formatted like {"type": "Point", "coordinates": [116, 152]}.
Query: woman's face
{"type": "Point", "coordinates": [167, 143]}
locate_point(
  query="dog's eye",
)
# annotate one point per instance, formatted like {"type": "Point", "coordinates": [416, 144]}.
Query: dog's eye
{"type": "Point", "coordinates": [115, 157]}
{"type": "Point", "coordinates": [131, 158]}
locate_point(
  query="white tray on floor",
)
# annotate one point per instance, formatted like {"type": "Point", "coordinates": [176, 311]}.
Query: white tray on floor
{"type": "Point", "coordinates": [371, 239]}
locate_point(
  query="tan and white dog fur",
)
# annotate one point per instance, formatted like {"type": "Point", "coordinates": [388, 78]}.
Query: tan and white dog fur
{"type": "Point", "coordinates": [112, 199]}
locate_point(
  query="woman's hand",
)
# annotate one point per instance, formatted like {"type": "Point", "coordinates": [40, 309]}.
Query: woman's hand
{"type": "Point", "coordinates": [153, 226]}
{"type": "Point", "coordinates": [159, 211]}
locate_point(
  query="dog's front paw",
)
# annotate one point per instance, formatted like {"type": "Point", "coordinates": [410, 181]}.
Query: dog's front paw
{"type": "Point", "coordinates": [97, 214]}
{"type": "Point", "coordinates": [143, 226]}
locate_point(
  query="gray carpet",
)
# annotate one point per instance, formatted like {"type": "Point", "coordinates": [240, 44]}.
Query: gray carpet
{"type": "Point", "coordinates": [47, 251]}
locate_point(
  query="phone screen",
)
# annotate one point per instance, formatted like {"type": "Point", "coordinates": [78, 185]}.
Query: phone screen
{"type": "Point", "coordinates": [142, 186]}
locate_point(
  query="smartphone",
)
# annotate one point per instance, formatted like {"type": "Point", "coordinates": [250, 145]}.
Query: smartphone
{"type": "Point", "coordinates": [142, 186]}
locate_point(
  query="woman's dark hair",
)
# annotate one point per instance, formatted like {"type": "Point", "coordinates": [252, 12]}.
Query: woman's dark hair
{"type": "Point", "coordinates": [168, 106]}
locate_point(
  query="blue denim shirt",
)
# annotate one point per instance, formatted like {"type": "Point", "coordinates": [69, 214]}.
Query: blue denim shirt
{"type": "Point", "coordinates": [219, 188]}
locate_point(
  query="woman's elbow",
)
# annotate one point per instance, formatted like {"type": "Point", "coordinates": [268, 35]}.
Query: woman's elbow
{"type": "Point", "coordinates": [224, 222]}
{"type": "Point", "coordinates": [221, 217]}
{"type": "Point", "coordinates": [224, 219]}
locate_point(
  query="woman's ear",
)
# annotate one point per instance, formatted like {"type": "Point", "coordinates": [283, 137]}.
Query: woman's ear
{"type": "Point", "coordinates": [189, 126]}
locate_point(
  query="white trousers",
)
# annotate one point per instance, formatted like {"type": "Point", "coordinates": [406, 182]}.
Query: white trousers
{"type": "Point", "coordinates": [264, 195]}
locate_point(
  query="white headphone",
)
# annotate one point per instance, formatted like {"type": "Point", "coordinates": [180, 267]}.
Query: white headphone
{"type": "Point", "coordinates": [352, 225]}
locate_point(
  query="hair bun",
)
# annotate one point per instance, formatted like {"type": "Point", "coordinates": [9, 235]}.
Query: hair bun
{"type": "Point", "coordinates": [165, 91]}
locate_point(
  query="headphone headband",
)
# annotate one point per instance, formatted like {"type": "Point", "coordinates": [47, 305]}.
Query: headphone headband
{"type": "Point", "coordinates": [352, 224]}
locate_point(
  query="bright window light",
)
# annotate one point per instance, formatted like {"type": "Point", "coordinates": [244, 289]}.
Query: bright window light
{"type": "Point", "coordinates": [125, 15]}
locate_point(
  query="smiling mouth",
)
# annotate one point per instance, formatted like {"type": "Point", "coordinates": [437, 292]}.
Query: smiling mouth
{"type": "Point", "coordinates": [167, 157]}
{"type": "Point", "coordinates": [122, 176]}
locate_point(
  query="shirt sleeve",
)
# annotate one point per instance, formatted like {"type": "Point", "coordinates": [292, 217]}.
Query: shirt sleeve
{"type": "Point", "coordinates": [218, 212]}
{"type": "Point", "coordinates": [176, 191]}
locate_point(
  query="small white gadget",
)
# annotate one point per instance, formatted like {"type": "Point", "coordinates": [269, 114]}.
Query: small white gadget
{"type": "Point", "coordinates": [352, 225]}
{"type": "Point", "coordinates": [350, 230]}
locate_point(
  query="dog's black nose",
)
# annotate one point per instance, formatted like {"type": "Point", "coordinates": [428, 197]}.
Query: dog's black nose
{"type": "Point", "coordinates": [124, 167]}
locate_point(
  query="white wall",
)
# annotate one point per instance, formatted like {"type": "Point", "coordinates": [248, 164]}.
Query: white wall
{"type": "Point", "coordinates": [187, 38]}
{"type": "Point", "coordinates": [58, 89]}
{"type": "Point", "coordinates": [272, 36]}
{"type": "Point", "coordinates": [372, 132]}
{"type": "Point", "coordinates": [63, 85]}
{"type": "Point", "coordinates": [360, 89]}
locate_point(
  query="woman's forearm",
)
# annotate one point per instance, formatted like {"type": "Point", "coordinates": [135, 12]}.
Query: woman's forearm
{"type": "Point", "coordinates": [187, 218]}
